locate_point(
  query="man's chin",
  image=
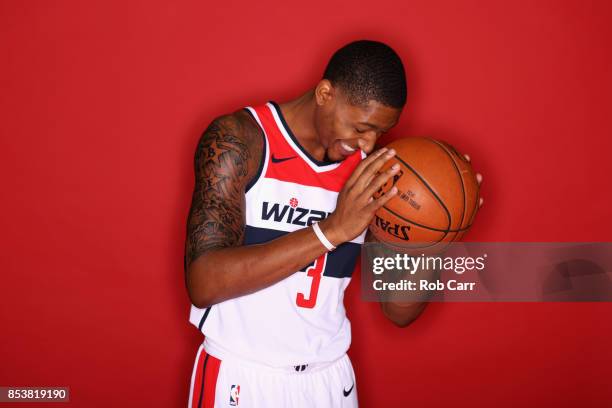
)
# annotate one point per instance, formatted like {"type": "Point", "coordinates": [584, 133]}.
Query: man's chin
{"type": "Point", "coordinates": [327, 158]}
{"type": "Point", "coordinates": [333, 157]}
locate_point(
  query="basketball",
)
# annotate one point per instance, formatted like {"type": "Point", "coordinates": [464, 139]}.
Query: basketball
{"type": "Point", "coordinates": [437, 196]}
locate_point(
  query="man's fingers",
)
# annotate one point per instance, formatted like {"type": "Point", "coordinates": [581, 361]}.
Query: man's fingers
{"type": "Point", "coordinates": [379, 202]}
{"type": "Point", "coordinates": [467, 157]}
{"type": "Point", "coordinates": [480, 202]}
{"type": "Point", "coordinates": [368, 174]}
{"type": "Point", "coordinates": [362, 166]}
{"type": "Point", "coordinates": [379, 180]}
{"type": "Point", "coordinates": [479, 178]}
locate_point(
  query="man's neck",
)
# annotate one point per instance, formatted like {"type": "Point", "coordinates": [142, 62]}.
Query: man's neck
{"type": "Point", "coordinates": [299, 115]}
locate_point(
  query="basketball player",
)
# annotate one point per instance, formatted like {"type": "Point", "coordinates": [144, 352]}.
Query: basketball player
{"type": "Point", "coordinates": [282, 200]}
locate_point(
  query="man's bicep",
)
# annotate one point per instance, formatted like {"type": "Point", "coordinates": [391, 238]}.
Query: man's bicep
{"type": "Point", "coordinates": [216, 218]}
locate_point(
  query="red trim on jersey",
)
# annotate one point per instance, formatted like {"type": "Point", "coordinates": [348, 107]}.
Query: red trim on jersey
{"type": "Point", "coordinates": [197, 382]}
{"type": "Point", "coordinates": [210, 386]}
{"type": "Point", "coordinates": [332, 180]}
{"type": "Point", "coordinates": [297, 170]}
{"type": "Point", "coordinates": [210, 381]}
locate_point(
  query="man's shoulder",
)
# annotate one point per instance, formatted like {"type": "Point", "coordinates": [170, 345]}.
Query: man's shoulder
{"type": "Point", "coordinates": [239, 124]}
{"type": "Point", "coordinates": [234, 139]}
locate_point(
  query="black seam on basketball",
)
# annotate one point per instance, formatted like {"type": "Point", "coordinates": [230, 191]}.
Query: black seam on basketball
{"type": "Point", "coordinates": [477, 201]}
{"type": "Point", "coordinates": [446, 230]}
{"type": "Point", "coordinates": [445, 149]}
{"type": "Point", "coordinates": [425, 226]}
{"type": "Point", "coordinates": [443, 146]}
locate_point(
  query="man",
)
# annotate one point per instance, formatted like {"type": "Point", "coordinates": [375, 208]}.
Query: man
{"type": "Point", "coordinates": [283, 197]}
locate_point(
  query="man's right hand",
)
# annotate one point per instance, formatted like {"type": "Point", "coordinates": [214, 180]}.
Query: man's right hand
{"type": "Point", "coordinates": [356, 205]}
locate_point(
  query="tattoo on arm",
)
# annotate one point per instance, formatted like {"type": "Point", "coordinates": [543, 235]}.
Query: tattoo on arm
{"type": "Point", "coordinates": [216, 218]}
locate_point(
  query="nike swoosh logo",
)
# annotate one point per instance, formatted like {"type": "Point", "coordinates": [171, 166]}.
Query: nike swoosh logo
{"type": "Point", "coordinates": [347, 393]}
{"type": "Point", "coordinates": [276, 160]}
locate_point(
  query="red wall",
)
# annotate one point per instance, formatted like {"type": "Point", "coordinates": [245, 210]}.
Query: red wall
{"type": "Point", "coordinates": [102, 104]}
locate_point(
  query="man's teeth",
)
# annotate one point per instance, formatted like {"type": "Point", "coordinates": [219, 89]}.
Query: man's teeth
{"type": "Point", "coordinates": [347, 147]}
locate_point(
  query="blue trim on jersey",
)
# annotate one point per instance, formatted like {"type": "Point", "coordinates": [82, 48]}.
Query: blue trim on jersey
{"type": "Point", "coordinates": [264, 152]}
{"type": "Point", "coordinates": [255, 235]}
{"type": "Point", "coordinates": [340, 262]}
{"type": "Point", "coordinates": [204, 317]}
{"type": "Point", "coordinates": [296, 141]}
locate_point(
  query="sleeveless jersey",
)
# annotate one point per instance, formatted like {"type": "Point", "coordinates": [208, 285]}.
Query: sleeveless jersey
{"type": "Point", "coordinates": [300, 319]}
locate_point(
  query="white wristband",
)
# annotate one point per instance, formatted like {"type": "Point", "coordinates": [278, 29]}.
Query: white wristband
{"type": "Point", "coordinates": [322, 237]}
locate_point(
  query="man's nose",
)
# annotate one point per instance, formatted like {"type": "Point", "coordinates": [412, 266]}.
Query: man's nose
{"type": "Point", "coordinates": [367, 144]}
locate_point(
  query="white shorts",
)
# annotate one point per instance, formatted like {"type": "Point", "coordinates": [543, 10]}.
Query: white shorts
{"type": "Point", "coordinates": [229, 383]}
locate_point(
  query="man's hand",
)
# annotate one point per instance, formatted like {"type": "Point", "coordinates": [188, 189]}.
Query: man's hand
{"type": "Point", "coordinates": [478, 179]}
{"type": "Point", "coordinates": [356, 205]}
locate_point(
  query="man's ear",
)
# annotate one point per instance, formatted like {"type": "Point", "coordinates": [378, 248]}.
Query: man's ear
{"type": "Point", "coordinates": [324, 92]}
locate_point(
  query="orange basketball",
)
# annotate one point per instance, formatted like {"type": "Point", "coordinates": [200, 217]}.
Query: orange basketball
{"type": "Point", "coordinates": [437, 196]}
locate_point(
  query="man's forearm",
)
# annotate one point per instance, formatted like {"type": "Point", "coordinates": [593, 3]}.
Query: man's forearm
{"type": "Point", "coordinates": [402, 311]}
{"type": "Point", "coordinates": [226, 273]}
{"type": "Point", "coordinates": [398, 307]}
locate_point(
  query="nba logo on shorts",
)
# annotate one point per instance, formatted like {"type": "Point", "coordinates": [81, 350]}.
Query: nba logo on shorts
{"type": "Point", "coordinates": [234, 394]}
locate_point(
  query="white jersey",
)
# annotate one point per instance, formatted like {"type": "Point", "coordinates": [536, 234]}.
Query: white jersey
{"type": "Point", "coordinates": [301, 319]}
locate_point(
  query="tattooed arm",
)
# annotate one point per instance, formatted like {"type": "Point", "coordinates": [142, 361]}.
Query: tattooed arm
{"type": "Point", "coordinates": [217, 264]}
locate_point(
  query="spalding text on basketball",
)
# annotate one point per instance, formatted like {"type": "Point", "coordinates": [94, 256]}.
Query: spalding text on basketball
{"type": "Point", "coordinates": [399, 231]}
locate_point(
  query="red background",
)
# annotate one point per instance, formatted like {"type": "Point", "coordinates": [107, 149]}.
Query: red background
{"type": "Point", "coordinates": [101, 106]}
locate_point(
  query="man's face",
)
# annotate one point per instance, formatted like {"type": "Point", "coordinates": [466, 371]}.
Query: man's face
{"type": "Point", "coordinates": [344, 128]}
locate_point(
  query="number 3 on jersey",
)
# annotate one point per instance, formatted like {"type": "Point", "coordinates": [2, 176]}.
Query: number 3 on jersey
{"type": "Point", "coordinates": [315, 271]}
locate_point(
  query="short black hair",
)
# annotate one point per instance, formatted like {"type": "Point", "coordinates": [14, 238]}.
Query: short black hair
{"type": "Point", "coordinates": [368, 70]}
